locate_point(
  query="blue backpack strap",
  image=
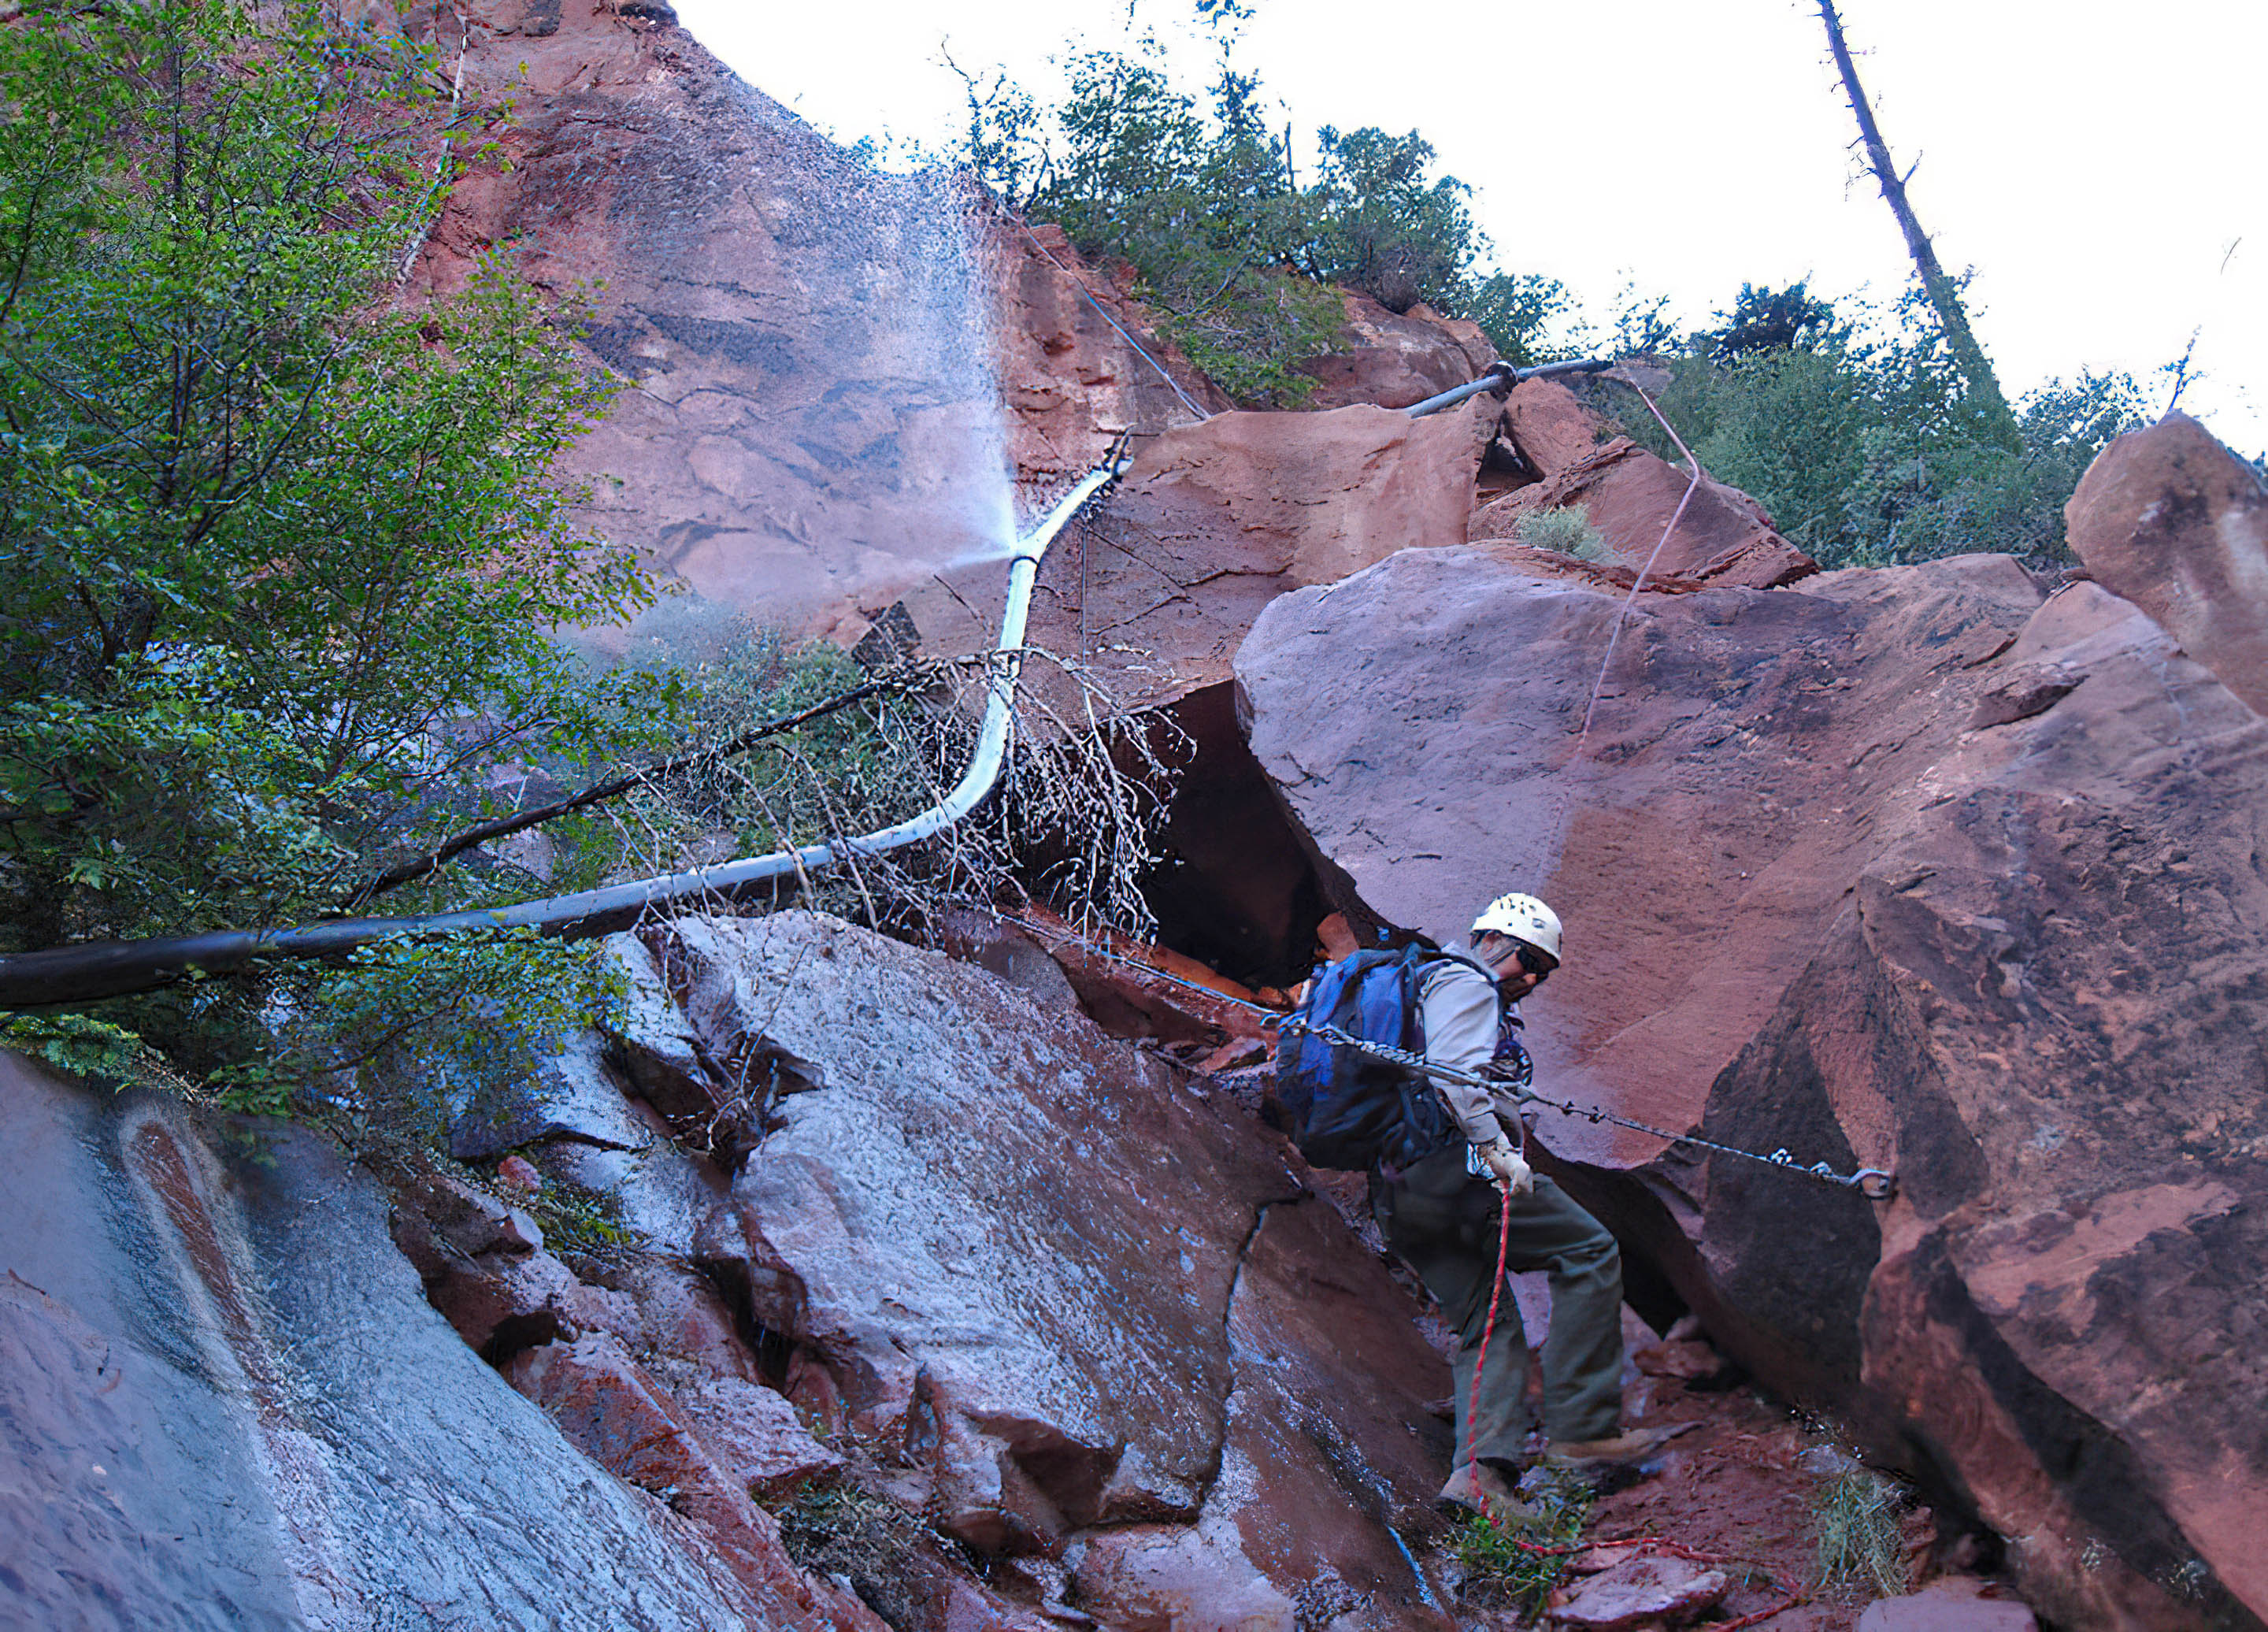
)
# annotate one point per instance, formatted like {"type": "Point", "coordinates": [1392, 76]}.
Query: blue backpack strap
{"type": "Point", "coordinates": [1382, 1005]}
{"type": "Point", "coordinates": [1417, 960]}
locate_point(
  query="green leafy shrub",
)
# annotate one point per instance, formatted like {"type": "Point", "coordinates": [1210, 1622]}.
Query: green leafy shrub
{"type": "Point", "coordinates": [1566, 528]}
{"type": "Point", "coordinates": [1862, 448]}
{"type": "Point", "coordinates": [1515, 1565]}
{"type": "Point", "coordinates": [78, 1044]}
{"type": "Point", "coordinates": [277, 567]}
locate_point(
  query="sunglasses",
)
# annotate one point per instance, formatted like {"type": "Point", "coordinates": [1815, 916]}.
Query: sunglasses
{"type": "Point", "coordinates": [1531, 961]}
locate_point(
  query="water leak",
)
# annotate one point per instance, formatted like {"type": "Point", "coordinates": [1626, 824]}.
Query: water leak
{"type": "Point", "coordinates": [180, 1191]}
{"type": "Point", "coordinates": [814, 423]}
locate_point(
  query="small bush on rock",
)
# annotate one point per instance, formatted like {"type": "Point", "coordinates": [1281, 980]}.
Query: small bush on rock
{"type": "Point", "coordinates": [868, 1540]}
{"type": "Point", "coordinates": [1565, 528]}
{"type": "Point", "coordinates": [1515, 1565]}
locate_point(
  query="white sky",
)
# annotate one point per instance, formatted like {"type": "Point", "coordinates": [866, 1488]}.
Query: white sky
{"type": "Point", "coordinates": [2102, 167]}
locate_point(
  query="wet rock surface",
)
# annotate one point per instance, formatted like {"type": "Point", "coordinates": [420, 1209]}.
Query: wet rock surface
{"type": "Point", "coordinates": [823, 366]}
{"type": "Point", "coordinates": [1031, 1285]}
{"type": "Point", "coordinates": [230, 1405]}
{"type": "Point", "coordinates": [2023, 965]}
{"type": "Point", "coordinates": [608, 1406]}
{"type": "Point", "coordinates": [961, 1219]}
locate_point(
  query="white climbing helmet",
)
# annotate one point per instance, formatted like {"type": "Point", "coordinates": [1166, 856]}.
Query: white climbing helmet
{"type": "Point", "coordinates": [1523, 918]}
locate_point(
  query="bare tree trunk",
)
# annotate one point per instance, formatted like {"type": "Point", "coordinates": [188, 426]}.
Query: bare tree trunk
{"type": "Point", "coordinates": [1991, 408]}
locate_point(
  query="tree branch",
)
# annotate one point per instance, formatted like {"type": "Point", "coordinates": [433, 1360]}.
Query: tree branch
{"type": "Point", "coordinates": [421, 866]}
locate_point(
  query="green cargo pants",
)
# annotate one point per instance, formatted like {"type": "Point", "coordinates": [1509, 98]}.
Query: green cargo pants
{"type": "Point", "coordinates": [1442, 1222]}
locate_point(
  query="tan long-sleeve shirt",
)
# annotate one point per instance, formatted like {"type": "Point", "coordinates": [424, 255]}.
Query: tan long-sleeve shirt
{"type": "Point", "coordinates": [1459, 1005]}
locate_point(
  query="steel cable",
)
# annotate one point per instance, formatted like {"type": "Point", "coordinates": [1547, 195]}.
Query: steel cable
{"type": "Point", "coordinates": [1876, 1184]}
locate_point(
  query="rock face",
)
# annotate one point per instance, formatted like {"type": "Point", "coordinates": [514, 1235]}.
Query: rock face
{"type": "Point", "coordinates": [2175, 522]}
{"type": "Point", "coordinates": [832, 380]}
{"type": "Point", "coordinates": [1549, 426]}
{"type": "Point", "coordinates": [961, 1224]}
{"type": "Point", "coordinates": [810, 418]}
{"type": "Point", "coordinates": [1722, 537]}
{"type": "Point", "coordinates": [607, 1405]}
{"type": "Point", "coordinates": [221, 1416]}
{"type": "Point", "coordinates": [1450, 688]}
{"type": "Point", "coordinates": [981, 1266]}
{"type": "Point", "coordinates": [1071, 381]}
{"type": "Point", "coordinates": [1393, 359]}
{"type": "Point", "coordinates": [1907, 869]}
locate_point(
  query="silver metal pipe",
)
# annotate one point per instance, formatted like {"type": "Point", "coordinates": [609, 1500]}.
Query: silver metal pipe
{"type": "Point", "coordinates": [1501, 377]}
{"type": "Point", "coordinates": [78, 974]}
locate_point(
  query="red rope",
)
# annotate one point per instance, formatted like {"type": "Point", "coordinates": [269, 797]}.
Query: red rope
{"type": "Point", "coordinates": [1762, 1614]}
{"type": "Point", "coordinates": [1488, 1331]}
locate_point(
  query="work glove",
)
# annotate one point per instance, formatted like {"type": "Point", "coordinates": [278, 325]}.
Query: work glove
{"type": "Point", "coordinates": [1503, 1166]}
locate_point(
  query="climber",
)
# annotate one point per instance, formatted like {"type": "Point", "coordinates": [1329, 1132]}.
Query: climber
{"type": "Point", "coordinates": [1439, 1215]}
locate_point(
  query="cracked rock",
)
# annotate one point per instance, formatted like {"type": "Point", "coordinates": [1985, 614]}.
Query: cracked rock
{"type": "Point", "coordinates": [1028, 1263]}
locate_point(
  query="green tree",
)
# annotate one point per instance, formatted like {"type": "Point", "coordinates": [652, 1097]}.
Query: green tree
{"type": "Point", "coordinates": [1765, 318]}
{"type": "Point", "coordinates": [1862, 439]}
{"type": "Point", "coordinates": [1387, 226]}
{"type": "Point", "coordinates": [1234, 251]}
{"type": "Point", "coordinates": [278, 566]}
{"type": "Point", "coordinates": [1204, 210]}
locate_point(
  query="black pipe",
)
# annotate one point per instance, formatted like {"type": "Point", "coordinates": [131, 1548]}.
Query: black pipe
{"type": "Point", "coordinates": [92, 970]}
{"type": "Point", "coordinates": [1501, 378]}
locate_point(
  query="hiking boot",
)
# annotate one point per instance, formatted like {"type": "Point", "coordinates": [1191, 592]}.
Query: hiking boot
{"type": "Point", "coordinates": [1477, 1488]}
{"type": "Point", "coordinates": [1627, 1449]}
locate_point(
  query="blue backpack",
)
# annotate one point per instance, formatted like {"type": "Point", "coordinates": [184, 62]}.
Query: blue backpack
{"type": "Point", "coordinates": [1348, 1108]}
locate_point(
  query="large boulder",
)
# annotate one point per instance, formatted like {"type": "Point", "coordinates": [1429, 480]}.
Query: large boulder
{"type": "Point", "coordinates": [229, 1404]}
{"type": "Point", "coordinates": [1549, 426]}
{"type": "Point", "coordinates": [2175, 522]}
{"type": "Point", "coordinates": [1066, 1285]}
{"type": "Point", "coordinates": [1425, 722]}
{"type": "Point", "coordinates": [1653, 515]}
{"type": "Point", "coordinates": [1391, 360]}
{"type": "Point", "coordinates": [1909, 868]}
